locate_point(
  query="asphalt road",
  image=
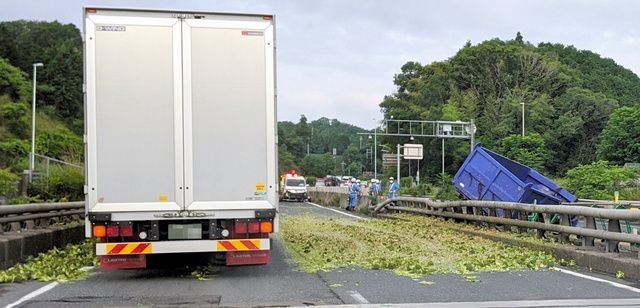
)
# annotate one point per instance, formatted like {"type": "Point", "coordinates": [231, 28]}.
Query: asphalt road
{"type": "Point", "coordinates": [281, 284]}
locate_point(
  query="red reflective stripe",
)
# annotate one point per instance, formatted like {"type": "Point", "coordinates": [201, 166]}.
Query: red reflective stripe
{"type": "Point", "coordinates": [117, 249]}
{"type": "Point", "coordinates": [228, 246]}
{"type": "Point", "coordinates": [249, 244]}
{"type": "Point", "coordinates": [140, 248]}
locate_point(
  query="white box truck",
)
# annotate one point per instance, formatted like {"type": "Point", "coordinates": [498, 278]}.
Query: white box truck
{"type": "Point", "coordinates": [180, 134]}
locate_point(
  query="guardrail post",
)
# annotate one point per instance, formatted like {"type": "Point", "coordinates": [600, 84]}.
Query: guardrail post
{"type": "Point", "coordinates": [478, 212]}
{"type": "Point", "coordinates": [590, 224]}
{"type": "Point", "coordinates": [29, 224]}
{"type": "Point", "coordinates": [564, 221]}
{"type": "Point", "coordinates": [614, 226]}
{"type": "Point", "coordinates": [522, 215]}
{"type": "Point", "coordinates": [492, 213]}
{"type": "Point", "coordinates": [14, 226]}
{"type": "Point", "coordinates": [540, 218]}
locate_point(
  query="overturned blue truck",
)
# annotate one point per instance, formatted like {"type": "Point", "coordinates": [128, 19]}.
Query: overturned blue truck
{"type": "Point", "coordinates": [486, 175]}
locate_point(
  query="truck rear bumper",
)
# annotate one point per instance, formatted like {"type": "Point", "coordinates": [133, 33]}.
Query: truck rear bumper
{"type": "Point", "coordinates": [185, 246]}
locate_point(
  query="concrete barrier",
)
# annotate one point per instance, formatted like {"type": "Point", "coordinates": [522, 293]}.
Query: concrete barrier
{"type": "Point", "coordinates": [16, 247]}
{"type": "Point", "coordinates": [338, 199]}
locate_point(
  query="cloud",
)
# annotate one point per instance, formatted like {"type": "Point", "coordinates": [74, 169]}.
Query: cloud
{"type": "Point", "coordinates": [337, 58]}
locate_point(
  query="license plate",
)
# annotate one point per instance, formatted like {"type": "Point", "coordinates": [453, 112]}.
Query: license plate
{"type": "Point", "coordinates": [185, 231]}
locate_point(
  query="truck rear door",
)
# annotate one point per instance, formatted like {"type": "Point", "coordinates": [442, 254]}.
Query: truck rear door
{"type": "Point", "coordinates": [134, 112]}
{"type": "Point", "coordinates": [229, 101]}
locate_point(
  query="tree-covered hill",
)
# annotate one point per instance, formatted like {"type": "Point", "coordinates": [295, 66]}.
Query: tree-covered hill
{"type": "Point", "coordinates": [59, 121]}
{"type": "Point", "coordinates": [568, 97]}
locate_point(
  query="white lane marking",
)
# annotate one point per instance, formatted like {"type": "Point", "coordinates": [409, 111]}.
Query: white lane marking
{"type": "Point", "coordinates": [358, 297]}
{"type": "Point", "coordinates": [339, 212]}
{"type": "Point", "coordinates": [33, 294]}
{"type": "Point", "coordinates": [615, 284]}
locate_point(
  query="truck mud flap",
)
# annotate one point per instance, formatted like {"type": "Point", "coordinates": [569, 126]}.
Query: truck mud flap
{"type": "Point", "coordinates": [123, 262]}
{"type": "Point", "coordinates": [254, 257]}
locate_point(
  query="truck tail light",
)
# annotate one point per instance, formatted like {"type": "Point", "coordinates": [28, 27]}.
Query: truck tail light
{"type": "Point", "coordinates": [254, 227]}
{"type": "Point", "coordinates": [112, 231]}
{"type": "Point", "coordinates": [266, 227]}
{"type": "Point", "coordinates": [99, 231]}
{"type": "Point", "coordinates": [240, 227]}
{"type": "Point", "coordinates": [126, 230]}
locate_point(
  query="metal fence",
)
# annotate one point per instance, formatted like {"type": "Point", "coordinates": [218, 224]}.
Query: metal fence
{"type": "Point", "coordinates": [39, 215]}
{"type": "Point", "coordinates": [582, 220]}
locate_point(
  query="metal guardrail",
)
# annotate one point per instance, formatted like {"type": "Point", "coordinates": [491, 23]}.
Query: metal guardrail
{"type": "Point", "coordinates": [38, 215]}
{"type": "Point", "coordinates": [518, 215]}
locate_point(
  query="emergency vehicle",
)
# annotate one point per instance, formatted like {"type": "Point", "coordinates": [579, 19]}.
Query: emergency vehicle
{"type": "Point", "coordinates": [293, 187]}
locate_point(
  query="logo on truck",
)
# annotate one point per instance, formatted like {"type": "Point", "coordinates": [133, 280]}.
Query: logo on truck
{"type": "Point", "coordinates": [111, 28]}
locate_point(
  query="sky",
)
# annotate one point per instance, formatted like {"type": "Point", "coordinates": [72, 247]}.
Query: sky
{"type": "Point", "coordinates": [337, 58]}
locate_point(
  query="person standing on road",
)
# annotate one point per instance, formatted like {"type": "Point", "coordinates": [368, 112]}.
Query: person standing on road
{"type": "Point", "coordinates": [375, 191]}
{"type": "Point", "coordinates": [393, 188]}
{"type": "Point", "coordinates": [353, 195]}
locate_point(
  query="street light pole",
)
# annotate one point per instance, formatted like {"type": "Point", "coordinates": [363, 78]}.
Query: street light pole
{"type": "Point", "coordinates": [32, 156]}
{"type": "Point", "coordinates": [375, 152]}
{"type": "Point", "coordinates": [522, 103]}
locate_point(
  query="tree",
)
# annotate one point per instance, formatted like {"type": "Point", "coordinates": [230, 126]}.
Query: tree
{"type": "Point", "coordinates": [598, 180]}
{"type": "Point", "coordinates": [567, 95]}
{"type": "Point", "coordinates": [317, 165]}
{"type": "Point", "coordinates": [529, 150]}
{"type": "Point", "coordinates": [56, 45]}
{"type": "Point", "coordinates": [620, 139]}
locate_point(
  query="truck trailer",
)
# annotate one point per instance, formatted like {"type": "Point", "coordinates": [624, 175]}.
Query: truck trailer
{"type": "Point", "coordinates": [180, 134]}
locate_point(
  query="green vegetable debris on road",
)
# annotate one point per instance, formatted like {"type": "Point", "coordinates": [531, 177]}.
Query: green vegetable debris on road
{"type": "Point", "coordinates": [55, 265]}
{"type": "Point", "coordinates": [411, 245]}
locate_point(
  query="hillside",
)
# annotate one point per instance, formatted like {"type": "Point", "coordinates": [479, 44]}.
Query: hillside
{"type": "Point", "coordinates": [568, 97]}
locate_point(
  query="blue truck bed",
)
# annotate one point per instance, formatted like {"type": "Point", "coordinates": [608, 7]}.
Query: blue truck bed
{"type": "Point", "coordinates": [486, 175]}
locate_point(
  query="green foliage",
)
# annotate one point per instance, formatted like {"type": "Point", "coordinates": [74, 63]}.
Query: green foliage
{"type": "Point", "coordinates": [317, 165]}
{"type": "Point", "coordinates": [620, 139]}
{"type": "Point", "coordinates": [8, 182]}
{"type": "Point", "coordinates": [568, 96]}
{"type": "Point", "coordinates": [407, 246]}
{"type": "Point", "coordinates": [64, 183]}
{"type": "Point", "coordinates": [311, 181]}
{"type": "Point", "coordinates": [60, 144]}
{"type": "Point", "coordinates": [12, 151]}
{"type": "Point", "coordinates": [13, 81]}
{"type": "Point", "coordinates": [60, 265]}
{"type": "Point", "coordinates": [529, 150]}
{"type": "Point", "coordinates": [322, 136]}
{"type": "Point", "coordinates": [441, 189]}
{"type": "Point", "coordinates": [15, 117]}
{"type": "Point", "coordinates": [56, 45]}
{"type": "Point", "coordinates": [598, 180]}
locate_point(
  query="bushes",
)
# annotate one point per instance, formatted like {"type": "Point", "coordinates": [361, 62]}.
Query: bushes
{"type": "Point", "coordinates": [442, 189]}
{"type": "Point", "coordinates": [598, 180]}
{"type": "Point", "coordinates": [8, 183]}
{"type": "Point", "coordinates": [63, 184]}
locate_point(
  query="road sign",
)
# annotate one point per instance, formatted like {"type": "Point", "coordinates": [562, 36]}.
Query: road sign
{"type": "Point", "coordinates": [412, 151]}
{"type": "Point", "coordinates": [389, 160]}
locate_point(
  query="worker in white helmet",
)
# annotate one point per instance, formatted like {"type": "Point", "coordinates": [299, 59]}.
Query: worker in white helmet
{"type": "Point", "coordinates": [353, 195]}
{"type": "Point", "coordinates": [393, 188]}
